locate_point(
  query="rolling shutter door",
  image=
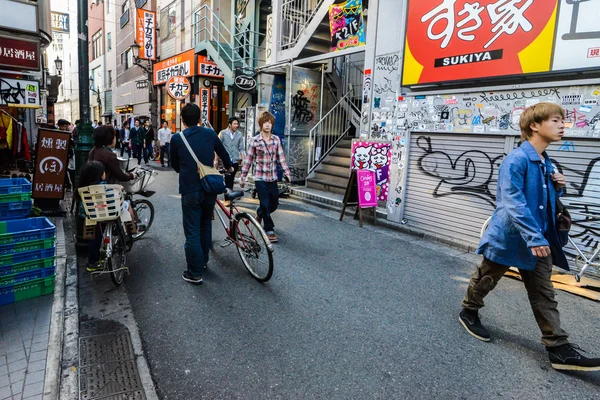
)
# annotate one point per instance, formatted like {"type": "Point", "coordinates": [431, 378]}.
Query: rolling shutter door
{"type": "Point", "coordinates": [451, 183]}
{"type": "Point", "coordinates": [579, 161]}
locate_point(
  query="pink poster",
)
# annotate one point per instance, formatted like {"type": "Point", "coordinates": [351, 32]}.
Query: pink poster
{"type": "Point", "coordinates": [367, 192]}
{"type": "Point", "coordinates": [375, 156]}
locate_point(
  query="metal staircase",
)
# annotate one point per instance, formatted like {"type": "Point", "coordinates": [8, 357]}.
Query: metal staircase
{"type": "Point", "coordinates": [231, 52]}
{"type": "Point", "coordinates": [331, 140]}
{"type": "Point", "coordinates": [304, 28]}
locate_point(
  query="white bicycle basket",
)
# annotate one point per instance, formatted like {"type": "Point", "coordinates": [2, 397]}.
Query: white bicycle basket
{"type": "Point", "coordinates": [102, 202]}
{"type": "Point", "coordinates": [143, 178]}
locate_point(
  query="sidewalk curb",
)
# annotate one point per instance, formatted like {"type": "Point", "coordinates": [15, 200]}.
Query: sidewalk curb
{"type": "Point", "coordinates": [52, 376]}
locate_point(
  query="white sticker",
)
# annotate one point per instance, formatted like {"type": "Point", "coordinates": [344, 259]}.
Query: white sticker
{"type": "Point", "coordinates": [479, 128]}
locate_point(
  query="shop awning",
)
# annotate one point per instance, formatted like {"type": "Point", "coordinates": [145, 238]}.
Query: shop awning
{"type": "Point", "coordinates": [107, 114]}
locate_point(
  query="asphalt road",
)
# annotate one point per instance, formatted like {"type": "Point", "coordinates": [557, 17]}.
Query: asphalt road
{"type": "Point", "coordinates": [349, 313]}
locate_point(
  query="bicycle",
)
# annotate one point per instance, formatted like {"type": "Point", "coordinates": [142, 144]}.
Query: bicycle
{"type": "Point", "coordinates": [247, 235]}
{"type": "Point", "coordinates": [582, 261]}
{"type": "Point", "coordinates": [109, 205]}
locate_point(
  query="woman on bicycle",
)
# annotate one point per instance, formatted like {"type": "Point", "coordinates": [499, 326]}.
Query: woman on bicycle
{"type": "Point", "coordinates": [106, 140]}
{"type": "Point", "coordinates": [92, 173]}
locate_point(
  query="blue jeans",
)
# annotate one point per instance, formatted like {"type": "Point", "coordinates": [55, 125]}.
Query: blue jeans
{"type": "Point", "coordinates": [197, 210]}
{"type": "Point", "coordinates": [268, 195]}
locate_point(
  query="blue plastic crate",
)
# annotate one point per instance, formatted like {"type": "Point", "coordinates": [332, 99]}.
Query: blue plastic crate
{"type": "Point", "coordinates": [26, 290]}
{"type": "Point", "coordinates": [14, 185]}
{"type": "Point", "coordinates": [22, 277]}
{"type": "Point", "coordinates": [15, 258]}
{"type": "Point", "coordinates": [14, 210]}
{"type": "Point", "coordinates": [27, 266]}
{"type": "Point", "coordinates": [21, 230]}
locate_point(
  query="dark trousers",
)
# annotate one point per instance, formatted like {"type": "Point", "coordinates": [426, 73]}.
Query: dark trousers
{"type": "Point", "coordinates": [166, 149]}
{"type": "Point", "coordinates": [148, 153]}
{"type": "Point", "coordinates": [137, 151]}
{"type": "Point", "coordinates": [229, 178]}
{"type": "Point", "coordinates": [197, 210]}
{"type": "Point", "coordinates": [268, 194]}
{"type": "Point", "coordinates": [125, 148]}
{"type": "Point", "coordinates": [539, 290]}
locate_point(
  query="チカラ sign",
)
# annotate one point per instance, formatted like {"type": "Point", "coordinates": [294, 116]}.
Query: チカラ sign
{"type": "Point", "coordinates": [178, 87]}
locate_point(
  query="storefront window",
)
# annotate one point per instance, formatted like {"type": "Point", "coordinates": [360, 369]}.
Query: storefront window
{"type": "Point", "coordinates": [169, 110]}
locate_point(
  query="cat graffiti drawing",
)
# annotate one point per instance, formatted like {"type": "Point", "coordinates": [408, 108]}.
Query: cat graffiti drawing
{"type": "Point", "coordinates": [362, 157]}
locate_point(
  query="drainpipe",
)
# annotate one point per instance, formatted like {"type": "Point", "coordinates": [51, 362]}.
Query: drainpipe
{"type": "Point", "coordinates": [289, 110]}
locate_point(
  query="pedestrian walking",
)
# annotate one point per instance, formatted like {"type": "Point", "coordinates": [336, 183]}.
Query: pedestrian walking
{"type": "Point", "coordinates": [164, 138]}
{"type": "Point", "coordinates": [196, 204]}
{"type": "Point", "coordinates": [233, 140]}
{"type": "Point", "coordinates": [522, 233]}
{"type": "Point", "coordinates": [266, 151]}
{"type": "Point", "coordinates": [124, 135]}
{"type": "Point", "coordinates": [148, 142]}
{"type": "Point", "coordinates": [137, 137]}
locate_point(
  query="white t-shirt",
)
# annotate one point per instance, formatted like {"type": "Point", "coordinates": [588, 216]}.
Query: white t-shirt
{"type": "Point", "coordinates": [164, 135]}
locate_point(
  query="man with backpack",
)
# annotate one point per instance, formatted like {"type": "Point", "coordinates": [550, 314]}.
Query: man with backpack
{"type": "Point", "coordinates": [197, 204]}
{"type": "Point", "coordinates": [523, 233]}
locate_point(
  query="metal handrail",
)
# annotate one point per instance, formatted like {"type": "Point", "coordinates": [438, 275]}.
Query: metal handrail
{"type": "Point", "coordinates": [329, 131]}
{"type": "Point", "coordinates": [297, 24]}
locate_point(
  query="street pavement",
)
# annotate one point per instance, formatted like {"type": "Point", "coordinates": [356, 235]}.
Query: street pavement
{"type": "Point", "coordinates": [349, 313]}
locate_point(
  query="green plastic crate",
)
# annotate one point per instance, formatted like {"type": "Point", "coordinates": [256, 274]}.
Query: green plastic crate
{"type": "Point", "coordinates": [27, 266]}
{"type": "Point", "coordinates": [26, 246]}
{"type": "Point", "coordinates": [26, 290]}
{"type": "Point", "coordinates": [8, 198]}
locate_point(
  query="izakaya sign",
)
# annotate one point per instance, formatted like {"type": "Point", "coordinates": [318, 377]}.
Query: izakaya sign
{"type": "Point", "coordinates": [450, 40]}
{"type": "Point", "coordinates": [179, 65]}
{"type": "Point", "coordinates": [346, 25]}
{"type": "Point", "coordinates": [208, 68]}
{"type": "Point", "coordinates": [178, 87]}
{"type": "Point", "coordinates": [18, 53]}
{"type": "Point", "coordinates": [146, 33]}
{"type": "Point", "coordinates": [51, 164]}
{"type": "Point", "coordinates": [204, 100]}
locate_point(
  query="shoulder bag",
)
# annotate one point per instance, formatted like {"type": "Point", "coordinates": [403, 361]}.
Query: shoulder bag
{"type": "Point", "coordinates": [563, 223]}
{"type": "Point", "coordinates": [211, 180]}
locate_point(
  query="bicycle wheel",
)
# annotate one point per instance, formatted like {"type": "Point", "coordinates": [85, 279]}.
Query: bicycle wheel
{"type": "Point", "coordinates": [145, 215]}
{"type": "Point", "coordinates": [117, 260]}
{"type": "Point", "coordinates": [254, 248]}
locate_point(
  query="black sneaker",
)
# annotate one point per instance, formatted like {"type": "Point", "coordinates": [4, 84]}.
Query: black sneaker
{"type": "Point", "coordinates": [472, 323]}
{"type": "Point", "coordinates": [567, 358]}
{"type": "Point", "coordinates": [191, 279]}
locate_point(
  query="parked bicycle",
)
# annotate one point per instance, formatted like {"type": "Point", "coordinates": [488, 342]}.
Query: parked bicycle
{"type": "Point", "coordinates": [583, 261]}
{"type": "Point", "coordinates": [250, 239]}
{"type": "Point", "coordinates": [122, 218]}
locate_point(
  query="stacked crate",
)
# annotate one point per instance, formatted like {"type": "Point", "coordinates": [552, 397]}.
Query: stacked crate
{"type": "Point", "coordinates": [15, 198]}
{"type": "Point", "coordinates": [27, 259]}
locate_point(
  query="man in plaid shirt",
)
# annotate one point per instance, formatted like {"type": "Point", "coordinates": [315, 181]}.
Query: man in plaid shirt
{"type": "Point", "coordinates": [266, 151]}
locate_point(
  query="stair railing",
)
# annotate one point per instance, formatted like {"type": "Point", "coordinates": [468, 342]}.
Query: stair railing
{"type": "Point", "coordinates": [296, 15]}
{"type": "Point", "coordinates": [328, 132]}
{"type": "Point", "coordinates": [209, 27]}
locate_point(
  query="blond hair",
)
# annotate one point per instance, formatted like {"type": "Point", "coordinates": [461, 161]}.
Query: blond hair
{"type": "Point", "coordinates": [537, 114]}
{"type": "Point", "coordinates": [264, 117]}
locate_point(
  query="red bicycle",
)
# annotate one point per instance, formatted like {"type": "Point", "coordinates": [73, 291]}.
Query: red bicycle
{"type": "Point", "coordinates": [248, 236]}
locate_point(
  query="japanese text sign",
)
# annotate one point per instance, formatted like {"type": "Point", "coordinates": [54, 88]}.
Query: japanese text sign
{"type": "Point", "coordinates": [21, 54]}
{"type": "Point", "coordinates": [367, 192]}
{"type": "Point", "coordinates": [179, 65]}
{"type": "Point", "coordinates": [376, 156]}
{"type": "Point", "coordinates": [19, 92]}
{"type": "Point", "coordinates": [178, 87]}
{"type": "Point", "coordinates": [60, 22]}
{"type": "Point", "coordinates": [146, 33]}
{"type": "Point", "coordinates": [208, 68]}
{"type": "Point", "coordinates": [346, 25]}
{"type": "Point", "coordinates": [204, 104]}
{"type": "Point", "coordinates": [51, 164]}
{"type": "Point", "coordinates": [449, 40]}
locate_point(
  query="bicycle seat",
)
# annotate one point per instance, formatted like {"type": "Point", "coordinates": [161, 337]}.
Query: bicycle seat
{"type": "Point", "coordinates": [232, 195]}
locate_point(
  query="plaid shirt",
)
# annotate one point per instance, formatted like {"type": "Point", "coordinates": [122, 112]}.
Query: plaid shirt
{"type": "Point", "coordinates": [266, 155]}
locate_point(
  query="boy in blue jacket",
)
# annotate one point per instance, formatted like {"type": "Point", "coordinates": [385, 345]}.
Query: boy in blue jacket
{"type": "Point", "coordinates": [522, 233]}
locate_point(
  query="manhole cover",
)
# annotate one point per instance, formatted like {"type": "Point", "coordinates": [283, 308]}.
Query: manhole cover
{"type": "Point", "coordinates": [105, 348]}
{"type": "Point", "coordinates": [110, 379]}
{"type": "Point", "coordinates": [107, 368]}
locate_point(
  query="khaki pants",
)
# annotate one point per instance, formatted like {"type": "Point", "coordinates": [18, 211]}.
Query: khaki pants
{"type": "Point", "coordinates": [539, 290]}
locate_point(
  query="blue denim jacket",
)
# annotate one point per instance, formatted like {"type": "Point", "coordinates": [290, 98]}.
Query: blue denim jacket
{"type": "Point", "coordinates": [521, 217]}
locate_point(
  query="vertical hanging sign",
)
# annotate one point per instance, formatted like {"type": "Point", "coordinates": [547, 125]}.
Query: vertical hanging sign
{"type": "Point", "coordinates": [146, 33]}
{"type": "Point", "coordinates": [204, 104]}
{"type": "Point", "coordinates": [346, 25]}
